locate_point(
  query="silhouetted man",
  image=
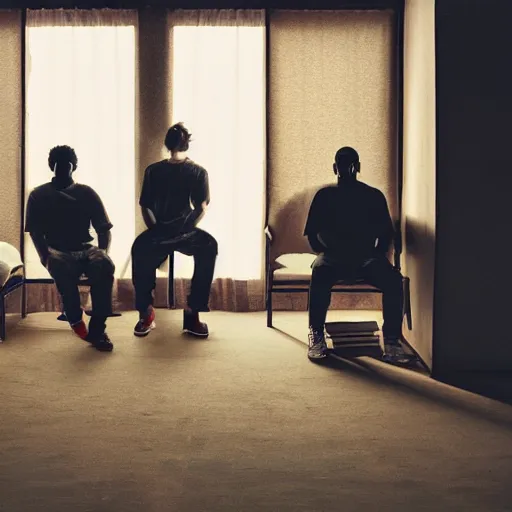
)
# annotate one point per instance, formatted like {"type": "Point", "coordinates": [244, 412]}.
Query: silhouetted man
{"type": "Point", "coordinates": [168, 190]}
{"type": "Point", "coordinates": [59, 215]}
{"type": "Point", "coordinates": [349, 225]}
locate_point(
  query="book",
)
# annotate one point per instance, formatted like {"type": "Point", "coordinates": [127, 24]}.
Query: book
{"type": "Point", "coordinates": [351, 328]}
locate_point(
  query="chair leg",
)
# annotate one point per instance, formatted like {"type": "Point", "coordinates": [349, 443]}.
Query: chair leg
{"type": "Point", "coordinates": [269, 307]}
{"type": "Point", "coordinates": [171, 290]}
{"type": "Point", "coordinates": [23, 300]}
{"type": "Point", "coordinates": [2, 318]}
{"type": "Point", "coordinates": [407, 303]}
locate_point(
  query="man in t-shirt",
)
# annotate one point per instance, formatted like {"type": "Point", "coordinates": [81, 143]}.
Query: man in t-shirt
{"type": "Point", "coordinates": [58, 217]}
{"type": "Point", "coordinates": [350, 227]}
{"type": "Point", "coordinates": [169, 189]}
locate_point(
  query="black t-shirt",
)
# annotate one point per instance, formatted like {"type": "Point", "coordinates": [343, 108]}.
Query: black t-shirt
{"type": "Point", "coordinates": [169, 188]}
{"type": "Point", "coordinates": [64, 215]}
{"type": "Point", "coordinates": [350, 218]}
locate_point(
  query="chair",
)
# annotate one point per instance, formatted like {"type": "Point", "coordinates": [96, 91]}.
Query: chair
{"type": "Point", "coordinates": [171, 286]}
{"type": "Point", "coordinates": [83, 281]}
{"type": "Point", "coordinates": [284, 281]}
{"type": "Point", "coordinates": [13, 283]}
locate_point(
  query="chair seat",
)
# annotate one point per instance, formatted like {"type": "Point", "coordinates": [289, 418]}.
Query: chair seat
{"type": "Point", "coordinates": [302, 277]}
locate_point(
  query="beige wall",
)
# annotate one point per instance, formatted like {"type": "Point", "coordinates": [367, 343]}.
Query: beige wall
{"type": "Point", "coordinates": [419, 189]}
{"type": "Point", "coordinates": [331, 85]}
{"type": "Point", "coordinates": [10, 126]}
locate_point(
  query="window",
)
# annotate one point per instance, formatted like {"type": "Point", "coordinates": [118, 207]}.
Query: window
{"type": "Point", "coordinates": [81, 92]}
{"type": "Point", "coordinates": [218, 91]}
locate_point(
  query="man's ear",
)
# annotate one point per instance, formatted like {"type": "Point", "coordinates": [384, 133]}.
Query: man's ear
{"type": "Point", "coordinates": [335, 169]}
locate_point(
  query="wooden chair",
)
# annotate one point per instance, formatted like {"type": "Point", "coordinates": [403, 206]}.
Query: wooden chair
{"type": "Point", "coordinates": [15, 281]}
{"type": "Point", "coordinates": [284, 281]}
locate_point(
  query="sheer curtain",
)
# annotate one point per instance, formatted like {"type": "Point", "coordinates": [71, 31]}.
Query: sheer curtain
{"type": "Point", "coordinates": [218, 91]}
{"type": "Point", "coordinates": [81, 92]}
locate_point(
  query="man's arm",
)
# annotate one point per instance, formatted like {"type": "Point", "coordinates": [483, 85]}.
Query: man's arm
{"type": "Point", "coordinates": [385, 229]}
{"type": "Point", "coordinates": [104, 240]}
{"type": "Point", "coordinates": [33, 225]}
{"type": "Point", "coordinates": [146, 200]}
{"type": "Point", "coordinates": [313, 224]}
{"type": "Point", "coordinates": [148, 216]}
{"type": "Point", "coordinates": [100, 221]}
{"type": "Point", "coordinates": [41, 246]}
{"type": "Point", "coordinates": [200, 198]}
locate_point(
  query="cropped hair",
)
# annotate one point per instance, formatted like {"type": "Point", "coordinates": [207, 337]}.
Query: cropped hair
{"type": "Point", "coordinates": [177, 138]}
{"type": "Point", "coordinates": [62, 155]}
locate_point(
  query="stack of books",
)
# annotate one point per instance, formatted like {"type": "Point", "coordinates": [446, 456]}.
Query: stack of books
{"type": "Point", "coordinates": [354, 339]}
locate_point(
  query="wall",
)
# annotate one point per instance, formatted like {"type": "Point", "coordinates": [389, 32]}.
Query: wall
{"type": "Point", "coordinates": [419, 215]}
{"type": "Point", "coordinates": [10, 126]}
{"type": "Point", "coordinates": [474, 173]}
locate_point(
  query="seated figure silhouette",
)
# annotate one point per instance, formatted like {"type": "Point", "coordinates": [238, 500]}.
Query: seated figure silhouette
{"type": "Point", "coordinates": [350, 228]}
{"type": "Point", "coordinates": [169, 189]}
{"type": "Point", "coordinates": [58, 217]}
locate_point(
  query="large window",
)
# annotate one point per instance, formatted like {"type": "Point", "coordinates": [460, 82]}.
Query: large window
{"type": "Point", "coordinates": [81, 92]}
{"type": "Point", "coordinates": [218, 91]}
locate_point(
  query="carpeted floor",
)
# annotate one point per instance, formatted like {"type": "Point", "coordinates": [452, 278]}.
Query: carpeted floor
{"type": "Point", "coordinates": [240, 422]}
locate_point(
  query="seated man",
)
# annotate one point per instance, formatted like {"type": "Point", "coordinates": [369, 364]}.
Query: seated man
{"type": "Point", "coordinates": [169, 188]}
{"type": "Point", "coordinates": [349, 225]}
{"type": "Point", "coordinates": [59, 215]}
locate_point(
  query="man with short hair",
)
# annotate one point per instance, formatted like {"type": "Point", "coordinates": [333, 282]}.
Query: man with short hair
{"type": "Point", "coordinates": [174, 197]}
{"type": "Point", "coordinates": [350, 227]}
{"type": "Point", "coordinates": [58, 217]}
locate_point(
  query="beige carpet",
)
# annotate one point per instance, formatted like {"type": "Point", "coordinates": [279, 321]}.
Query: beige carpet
{"type": "Point", "coordinates": [240, 422]}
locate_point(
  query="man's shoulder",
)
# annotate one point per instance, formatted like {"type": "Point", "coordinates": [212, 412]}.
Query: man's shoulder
{"type": "Point", "coordinates": [195, 167]}
{"type": "Point", "coordinates": [372, 191]}
{"type": "Point", "coordinates": [85, 189]}
{"type": "Point", "coordinates": [41, 189]}
{"type": "Point", "coordinates": [326, 190]}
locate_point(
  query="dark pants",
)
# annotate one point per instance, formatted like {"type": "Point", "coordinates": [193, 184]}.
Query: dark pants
{"type": "Point", "coordinates": [66, 269]}
{"type": "Point", "coordinates": [377, 272]}
{"type": "Point", "coordinates": [150, 250]}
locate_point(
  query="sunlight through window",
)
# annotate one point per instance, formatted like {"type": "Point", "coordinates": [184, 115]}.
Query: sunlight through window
{"type": "Point", "coordinates": [218, 91]}
{"type": "Point", "coordinates": [81, 92]}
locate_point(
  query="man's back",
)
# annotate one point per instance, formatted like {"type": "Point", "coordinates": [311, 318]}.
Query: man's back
{"type": "Point", "coordinates": [64, 214]}
{"type": "Point", "coordinates": [350, 217]}
{"type": "Point", "coordinates": [169, 187]}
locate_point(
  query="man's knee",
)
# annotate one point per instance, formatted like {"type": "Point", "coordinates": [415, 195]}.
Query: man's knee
{"type": "Point", "coordinates": [101, 265]}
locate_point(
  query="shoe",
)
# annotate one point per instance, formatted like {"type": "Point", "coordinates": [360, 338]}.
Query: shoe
{"type": "Point", "coordinates": [101, 342]}
{"type": "Point", "coordinates": [394, 352]}
{"type": "Point", "coordinates": [317, 345]}
{"type": "Point", "coordinates": [192, 325]}
{"type": "Point", "coordinates": [146, 324]}
{"type": "Point", "coordinates": [80, 329]}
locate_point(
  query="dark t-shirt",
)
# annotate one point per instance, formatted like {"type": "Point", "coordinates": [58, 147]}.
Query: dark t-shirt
{"type": "Point", "coordinates": [169, 188]}
{"type": "Point", "coordinates": [64, 216]}
{"type": "Point", "coordinates": [350, 218]}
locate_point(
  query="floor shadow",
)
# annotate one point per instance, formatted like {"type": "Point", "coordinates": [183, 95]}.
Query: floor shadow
{"type": "Point", "coordinates": [497, 386]}
{"type": "Point", "coordinates": [420, 385]}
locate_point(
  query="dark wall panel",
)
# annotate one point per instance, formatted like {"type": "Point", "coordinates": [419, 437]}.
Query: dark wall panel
{"type": "Point", "coordinates": [474, 186]}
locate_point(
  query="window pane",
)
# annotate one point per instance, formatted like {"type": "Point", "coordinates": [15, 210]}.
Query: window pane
{"type": "Point", "coordinates": [81, 92]}
{"type": "Point", "coordinates": [219, 93]}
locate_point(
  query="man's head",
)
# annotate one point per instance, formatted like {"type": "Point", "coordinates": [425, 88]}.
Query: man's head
{"type": "Point", "coordinates": [62, 161]}
{"type": "Point", "coordinates": [346, 163]}
{"type": "Point", "coordinates": [177, 138]}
